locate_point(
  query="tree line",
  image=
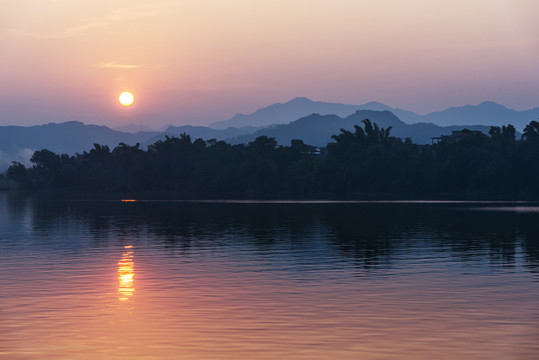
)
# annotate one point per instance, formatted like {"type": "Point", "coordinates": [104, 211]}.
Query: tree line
{"type": "Point", "coordinates": [366, 161]}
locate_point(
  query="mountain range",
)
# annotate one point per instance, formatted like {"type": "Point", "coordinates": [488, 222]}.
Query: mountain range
{"type": "Point", "coordinates": [286, 113]}
{"type": "Point", "coordinates": [486, 113]}
{"type": "Point", "coordinates": [202, 132]}
{"type": "Point", "coordinates": [17, 143]}
{"type": "Point", "coordinates": [312, 121]}
{"type": "Point", "coordinates": [317, 129]}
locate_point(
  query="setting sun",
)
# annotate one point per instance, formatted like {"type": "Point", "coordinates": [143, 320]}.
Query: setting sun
{"type": "Point", "coordinates": [126, 98]}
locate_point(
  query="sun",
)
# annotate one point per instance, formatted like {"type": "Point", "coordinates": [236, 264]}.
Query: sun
{"type": "Point", "coordinates": [126, 98]}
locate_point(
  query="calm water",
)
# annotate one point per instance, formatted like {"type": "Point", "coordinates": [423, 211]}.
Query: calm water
{"type": "Point", "coordinates": [173, 280]}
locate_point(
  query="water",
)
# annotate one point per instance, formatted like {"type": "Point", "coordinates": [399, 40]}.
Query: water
{"type": "Point", "coordinates": [268, 280]}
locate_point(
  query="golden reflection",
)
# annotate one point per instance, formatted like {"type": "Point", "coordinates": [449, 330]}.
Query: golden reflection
{"type": "Point", "coordinates": [126, 274]}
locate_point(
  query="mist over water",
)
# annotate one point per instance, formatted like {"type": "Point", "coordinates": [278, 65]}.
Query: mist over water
{"type": "Point", "coordinates": [267, 280]}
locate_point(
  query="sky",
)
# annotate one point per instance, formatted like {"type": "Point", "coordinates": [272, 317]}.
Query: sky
{"type": "Point", "coordinates": [195, 62]}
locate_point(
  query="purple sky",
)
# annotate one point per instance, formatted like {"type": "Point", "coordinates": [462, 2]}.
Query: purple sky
{"type": "Point", "coordinates": [201, 61]}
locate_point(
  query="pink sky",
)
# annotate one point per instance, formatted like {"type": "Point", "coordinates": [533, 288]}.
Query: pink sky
{"type": "Point", "coordinates": [201, 61]}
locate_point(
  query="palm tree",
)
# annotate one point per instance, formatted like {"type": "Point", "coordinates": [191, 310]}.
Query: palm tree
{"type": "Point", "coordinates": [531, 131]}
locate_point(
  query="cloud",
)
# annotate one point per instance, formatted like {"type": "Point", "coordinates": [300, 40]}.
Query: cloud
{"type": "Point", "coordinates": [137, 12]}
{"type": "Point", "coordinates": [21, 155]}
{"type": "Point", "coordinates": [114, 65]}
{"type": "Point", "coordinates": [66, 33]}
{"type": "Point", "coordinates": [114, 16]}
{"type": "Point", "coordinates": [5, 161]}
{"type": "Point", "coordinates": [24, 156]}
{"type": "Point", "coordinates": [81, 29]}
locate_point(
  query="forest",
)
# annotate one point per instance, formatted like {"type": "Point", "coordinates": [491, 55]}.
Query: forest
{"type": "Point", "coordinates": [364, 163]}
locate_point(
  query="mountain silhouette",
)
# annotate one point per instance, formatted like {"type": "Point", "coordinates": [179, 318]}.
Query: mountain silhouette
{"type": "Point", "coordinates": [133, 128]}
{"type": "Point", "coordinates": [301, 118]}
{"type": "Point", "coordinates": [487, 113]}
{"type": "Point", "coordinates": [284, 113]}
{"type": "Point", "coordinates": [17, 143]}
{"type": "Point", "coordinates": [202, 132]}
{"type": "Point", "coordinates": [317, 129]}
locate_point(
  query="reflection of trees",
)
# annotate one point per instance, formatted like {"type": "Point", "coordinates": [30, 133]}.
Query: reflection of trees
{"type": "Point", "coordinates": [364, 233]}
{"type": "Point", "coordinates": [473, 234]}
{"type": "Point", "coordinates": [371, 236]}
{"type": "Point", "coordinates": [531, 253]}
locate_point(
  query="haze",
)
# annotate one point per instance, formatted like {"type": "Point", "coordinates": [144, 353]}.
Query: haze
{"type": "Point", "coordinates": [200, 61]}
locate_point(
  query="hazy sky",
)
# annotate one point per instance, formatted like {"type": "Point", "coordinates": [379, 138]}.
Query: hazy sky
{"type": "Point", "coordinates": [200, 61]}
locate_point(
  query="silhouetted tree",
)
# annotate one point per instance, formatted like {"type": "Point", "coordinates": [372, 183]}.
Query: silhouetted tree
{"type": "Point", "coordinates": [361, 162]}
{"type": "Point", "coordinates": [531, 131]}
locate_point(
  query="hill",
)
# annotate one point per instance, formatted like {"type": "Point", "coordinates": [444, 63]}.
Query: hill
{"type": "Point", "coordinates": [202, 132]}
{"type": "Point", "coordinates": [133, 128]}
{"type": "Point", "coordinates": [487, 113]}
{"type": "Point", "coordinates": [284, 113]}
{"type": "Point", "coordinates": [292, 120]}
{"type": "Point", "coordinates": [317, 129]}
{"type": "Point", "coordinates": [17, 143]}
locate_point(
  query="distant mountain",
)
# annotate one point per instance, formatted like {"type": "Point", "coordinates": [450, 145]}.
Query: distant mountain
{"type": "Point", "coordinates": [18, 143]}
{"type": "Point", "coordinates": [286, 113]}
{"type": "Point", "coordinates": [202, 132]}
{"type": "Point", "coordinates": [317, 122]}
{"type": "Point", "coordinates": [317, 129]}
{"type": "Point", "coordinates": [133, 128]}
{"type": "Point", "coordinates": [487, 113]}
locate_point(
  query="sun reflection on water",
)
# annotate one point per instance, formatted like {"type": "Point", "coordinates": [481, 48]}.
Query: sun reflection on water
{"type": "Point", "coordinates": [126, 274]}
